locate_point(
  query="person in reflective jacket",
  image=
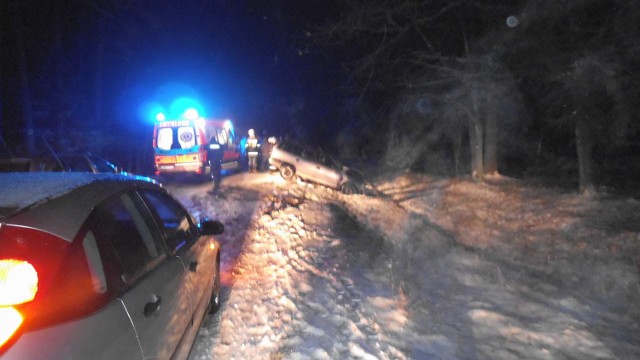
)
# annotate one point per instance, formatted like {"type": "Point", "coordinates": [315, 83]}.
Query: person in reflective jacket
{"type": "Point", "coordinates": [253, 150]}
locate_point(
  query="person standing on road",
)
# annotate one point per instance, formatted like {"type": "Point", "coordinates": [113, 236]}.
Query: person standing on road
{"type": "Point", "coordinates": [253, 150]}
{"type": "Point", "coordinates": [214, 156]}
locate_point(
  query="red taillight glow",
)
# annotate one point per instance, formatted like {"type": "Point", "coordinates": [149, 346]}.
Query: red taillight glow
{"type": "Point", "coordinates": [18, 285]}
{"type": "Point", "coordinates": [44, 280]}
{"type": "Point", "coordinates": [10, 321]}
{"type": "Point", "coordinates": [18, 282]}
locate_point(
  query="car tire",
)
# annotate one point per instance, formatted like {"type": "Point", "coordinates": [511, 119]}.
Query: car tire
{"type": "Point", "coordinates": [214, 301]}
{"type": "Point", "coordinates": [349, 188]}
{"type": "Point", "coordinates": [287, 172]}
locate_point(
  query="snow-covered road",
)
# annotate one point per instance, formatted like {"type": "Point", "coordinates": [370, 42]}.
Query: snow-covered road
{"type": "Point", "coordinates": [310, 273]}
{"type": "Point", "coordinates": [302, 281]}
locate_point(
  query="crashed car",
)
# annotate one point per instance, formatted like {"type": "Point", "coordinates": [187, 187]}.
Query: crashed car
{"type": "Point", "coordinates": [294, 160]}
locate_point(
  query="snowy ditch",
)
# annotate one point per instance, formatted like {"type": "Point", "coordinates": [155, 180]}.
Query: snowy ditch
{"type": "Point", "coordinates": [313, 274]}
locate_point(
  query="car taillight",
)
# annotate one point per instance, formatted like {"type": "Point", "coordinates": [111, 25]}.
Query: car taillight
{"type": "Point", "coordinates": [18, 282]}
{"type": "Point", "coordinates": [18, 285]}
{"type": "Point", "coordinates": [10, 321]}
{"type": "Point", "coordinates": [44, 280]}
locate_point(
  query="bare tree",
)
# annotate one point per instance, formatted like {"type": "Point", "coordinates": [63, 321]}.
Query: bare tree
{"type": "Point", "coordinates": [580, 72]}
{"type": "Point", "coordinates": [422, 48]}
{"type": "Point", "coordinates": [592, 84]}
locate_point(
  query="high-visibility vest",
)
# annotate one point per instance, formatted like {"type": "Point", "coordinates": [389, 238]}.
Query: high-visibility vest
{"type": "Point", "coordinates": [252, 146]}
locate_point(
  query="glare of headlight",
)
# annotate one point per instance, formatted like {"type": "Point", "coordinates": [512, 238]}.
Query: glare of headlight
{"type": "Point", "coordinates": [228, 125]}
{"type": "Point", "coordinates": [160, 116]}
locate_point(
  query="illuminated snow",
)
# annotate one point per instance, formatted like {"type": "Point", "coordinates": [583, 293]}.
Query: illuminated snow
{"type": "Point", "coordinates": [496, 270]}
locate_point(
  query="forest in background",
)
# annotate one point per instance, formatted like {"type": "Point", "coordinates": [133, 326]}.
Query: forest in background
{"type": "Point", "coordinates": [544, 89]}
{"type": "Point", "coordinates": [530, 89]}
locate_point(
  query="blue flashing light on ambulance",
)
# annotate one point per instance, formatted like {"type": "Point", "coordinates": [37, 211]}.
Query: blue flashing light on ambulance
{"type": "Point", "coordinates": [189, 144]}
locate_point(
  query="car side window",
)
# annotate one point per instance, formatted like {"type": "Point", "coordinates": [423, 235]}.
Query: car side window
{"type": "Point", "coordinates": [174, 220]}
{"type": "Point", "coordinates": [120, 224]}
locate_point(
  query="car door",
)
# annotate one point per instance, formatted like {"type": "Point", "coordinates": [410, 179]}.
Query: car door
{"type": "Point", "coordinates": [305, 168]}
{"type": "Point", "coordinates": [153, 282]}
{"type": "Point", "coordinates": [183, 239]}
{"type": "Point", "coordinates": [320, 170]}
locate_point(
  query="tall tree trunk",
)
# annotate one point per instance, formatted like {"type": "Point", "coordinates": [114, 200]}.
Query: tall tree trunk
{"type": "Point", "coordinates": [584, 147]}
{"type": "Point", "coordinates": [457, 148]}
{"type": "Point", "coordinates": [476, 142]}
{"type": "Point", "coordinates": [476, 139]}
{"type": "Point", "coordinates": [491, 143]}
{"type": "Point", "coordinates": [25, 87]}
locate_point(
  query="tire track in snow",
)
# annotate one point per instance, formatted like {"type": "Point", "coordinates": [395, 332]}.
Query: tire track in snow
{"type": "Point", "coordinates": [298, 292]}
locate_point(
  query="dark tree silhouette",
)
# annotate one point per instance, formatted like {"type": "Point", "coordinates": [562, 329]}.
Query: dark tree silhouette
{"type": "Point", "coordinates": [428, 49]}
{"type": "Point", "coordinates": [575, 59]}
{"type": "Point", "coordinates": [485, 66]}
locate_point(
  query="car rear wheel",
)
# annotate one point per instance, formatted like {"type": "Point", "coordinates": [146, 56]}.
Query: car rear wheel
{"type": "Point", "coordinates": [214, 302]}
{"type": "Point", "coordinates": [287, 172]}
{"type": "Point", "coordinates": [349, 188]}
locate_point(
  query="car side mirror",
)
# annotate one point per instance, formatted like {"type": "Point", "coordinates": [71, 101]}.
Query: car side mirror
{"type": "Point", "coordinates": [211, 227]}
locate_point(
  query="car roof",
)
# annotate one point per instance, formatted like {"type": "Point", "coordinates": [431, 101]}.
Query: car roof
{"type": "Point", "coordinates": [38, 199]}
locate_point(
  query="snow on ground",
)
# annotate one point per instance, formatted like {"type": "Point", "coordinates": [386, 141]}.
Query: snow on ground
{"type": "Point", "coordinates": [437, 268]}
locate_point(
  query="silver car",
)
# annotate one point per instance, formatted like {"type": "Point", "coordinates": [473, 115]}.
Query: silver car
{"type": "Point", "coordinates": [101, 266]}
{"type": "Point", "coordinates": [291, 160]}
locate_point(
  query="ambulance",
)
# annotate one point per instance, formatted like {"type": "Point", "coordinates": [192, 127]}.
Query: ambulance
{"type": "Point", "coordinates": [188, 146]}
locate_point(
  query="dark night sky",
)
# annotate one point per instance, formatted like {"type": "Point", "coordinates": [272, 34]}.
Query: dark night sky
{"type": "Point", "coordinates": [242, 61]}
{"type": "Point", "coordinates": [239, 58]}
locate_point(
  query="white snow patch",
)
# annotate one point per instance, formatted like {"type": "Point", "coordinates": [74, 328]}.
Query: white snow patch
{"type": "Point", "coordinates": [496, 271]}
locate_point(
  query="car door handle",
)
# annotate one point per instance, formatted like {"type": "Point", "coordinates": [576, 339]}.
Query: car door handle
{"type": "Point", "coordinates": [193, 266]}
{"type": "Point", "coordinates": [152, 306]}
